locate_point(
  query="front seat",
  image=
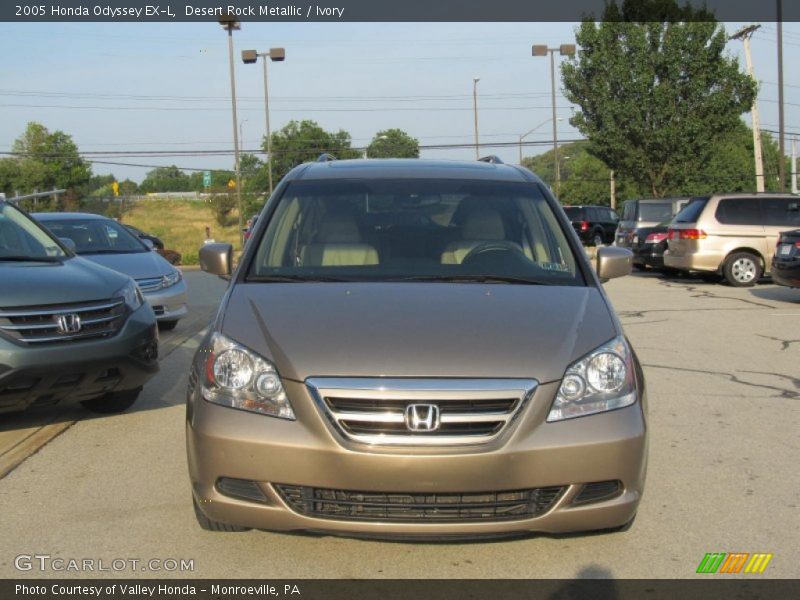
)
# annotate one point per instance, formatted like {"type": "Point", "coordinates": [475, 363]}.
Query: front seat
{"type": "Point", "coordinates": [338, 244]}
{"type": "Point", "coordinates": [480, 226]}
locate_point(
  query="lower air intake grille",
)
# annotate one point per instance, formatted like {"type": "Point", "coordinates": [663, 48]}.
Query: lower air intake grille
{"type": "Point", "coordinates": [419, 507]}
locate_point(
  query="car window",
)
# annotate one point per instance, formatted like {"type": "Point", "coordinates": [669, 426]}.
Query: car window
{"type": "Point", "coordinates": [654, 211]}
{"type": "Point", "coordinates": [21, 237]}
{"type": "Point", "coordinates": [692, 211]}
{"type": "Point", "coordinates": [390, 230]}
{"type": "Point", "coordinates": [629, 210]}
{"type": "Point", "coordinates": [739, 211]}
{"type": "Point", "coordinates": [781, 211]}
{"type": "Point", "coordinates": [574, 213]}
{"type": "Point", "coordinates": [613, 214]}
{"type": "Point", "coordinates": [96, 236]}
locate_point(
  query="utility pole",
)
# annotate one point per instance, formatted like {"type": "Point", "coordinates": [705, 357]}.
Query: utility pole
{"type": "Point", "coordinates": [475, 81]}
{"type": "Point", "coordinates": [613, 185]}
{"type": "Point", "coordinates": [230, 24]}
{"type": "Point", "coordinates": [794, 166]}
{"type": "Point", "coordinates": [745, 35]}
{"type": "Point", "coordinates": [781, 124]}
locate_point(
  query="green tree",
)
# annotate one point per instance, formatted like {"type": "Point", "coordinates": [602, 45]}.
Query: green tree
{"type": "Point", "coordinates": [303, 141]}
{"type": "Point", "coordinates": [166, 179]}
{"type": "Point", "coordinates": [654, 96]}
{"type": "Point", "coordinates": [48, 160]}
{"type": "Point", "coordinates": [393, 143]}
{"type": "Point", "coordinates": [9, 175]}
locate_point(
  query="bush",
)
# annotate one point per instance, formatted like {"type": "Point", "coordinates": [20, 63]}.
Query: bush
{"type": "Point", "coordinates": [222, 205]}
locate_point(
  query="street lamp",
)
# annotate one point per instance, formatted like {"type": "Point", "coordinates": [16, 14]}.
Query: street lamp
{"type": "Point", "coordinates": [475, 81]}
{"type": "Point", "coordinates": [526, 134]}
{"type": "Point", "coordinates": [250, 57]}
{"type": "Point", "coordinates": [366, 148]}
{"type": "Point", "coordinates": [230, 24]}
{"type": "Point", "coordinates": [563, 50]}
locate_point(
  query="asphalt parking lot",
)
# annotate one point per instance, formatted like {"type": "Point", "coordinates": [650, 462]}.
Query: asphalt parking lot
{"type": "Point", "coordinates": [724, 407]}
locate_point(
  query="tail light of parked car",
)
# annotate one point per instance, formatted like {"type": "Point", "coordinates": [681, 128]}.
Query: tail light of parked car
{"type": "Point", "coordinates": [655, 238]}
{"type": "Point", "coordinates": [584, 225]}
{"type": "Point", "coordinates": [687, 234]}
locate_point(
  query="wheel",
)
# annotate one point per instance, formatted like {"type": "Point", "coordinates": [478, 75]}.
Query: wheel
{"type": "Point", "coordinates": [640, 266]}
{"type": "Point", "coordinates": [211, 525]}
{"type": "Point", "coordinates": [114, 402]}
{"type": "Point", "coordinates": [167, 325]}
{"type": "Point", "coordinates": [742, 269]}
{"type": "Point", "coordinates": [597, 239]}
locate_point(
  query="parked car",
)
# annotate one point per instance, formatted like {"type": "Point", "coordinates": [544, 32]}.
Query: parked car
{"type": "Point", "coordinates": [644, 214]}
{"type": "Point", "coordinates": [648, 246]}
{"type": "Point", "coordinates": [108, 243]}
{"type": "Point", "coordinates": [595, 225]}
{"type": "Point", "coordinates": [156, 241]}
{"type": "Point", "coordinates": [375, 369]}
{"type": "Point", "coordinates": [733, 235]}
{"type": "Point", "coordinates": [786, 259]}
{"type": "Point", "coordinates": [70, 330]}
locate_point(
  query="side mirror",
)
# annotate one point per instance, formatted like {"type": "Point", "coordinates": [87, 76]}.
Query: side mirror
{"type": "Point", "coordinates": [217, 259]}
{"type": "Point", "coordinates": [69, 243]}
{"type": "Point", "coordinates": [613, 262]}
{"type": "Point", "coordinates": [149, 243]}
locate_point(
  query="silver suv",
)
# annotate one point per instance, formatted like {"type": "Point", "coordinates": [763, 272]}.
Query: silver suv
{"type": "Point", "coordinates": [419, 348]}
{"type": "Point", "coordinates": [70, 330]}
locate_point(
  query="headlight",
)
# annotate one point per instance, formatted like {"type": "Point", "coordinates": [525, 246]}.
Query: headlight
{"type": "Point", "coordinates": [132, 295]}
{"type": "Point", "coordinates": [171, 279]}
{"type": "Point", "coordinates": [240, 378]}
{"type": "Point", "coordinates": [601, 381]}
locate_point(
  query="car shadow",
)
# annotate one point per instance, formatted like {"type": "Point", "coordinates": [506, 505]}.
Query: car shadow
{"type": "Point", "coordinates": [777, 293]}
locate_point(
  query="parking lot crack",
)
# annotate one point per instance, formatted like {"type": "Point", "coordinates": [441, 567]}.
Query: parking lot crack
{"type": "Point", "coordinates": [785, 344]}
{"type": "Point", "coordinates": [697, 292]}
{"type": "Point", "coordinates": [781, 391]}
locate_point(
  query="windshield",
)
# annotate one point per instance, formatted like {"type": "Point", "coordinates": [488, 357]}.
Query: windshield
{"type": "Point", "coordinates": [95, 236]}
{"type": "Point", "coordinates": [406, 230]}
{"type": "Point", "coordinates": [22, 239]}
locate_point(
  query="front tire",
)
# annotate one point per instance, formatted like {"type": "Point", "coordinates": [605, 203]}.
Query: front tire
{"type": "Point", "coordinates": [210, 525]}
{"type": "Point", "coordinates": [115, 402]}
{"type": "Point", "coordinates": [742, 269]}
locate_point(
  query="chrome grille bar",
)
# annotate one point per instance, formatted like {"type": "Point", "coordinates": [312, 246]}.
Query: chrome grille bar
{"type": "Point", "coordinates": [38, 325]}
{"type": "Point", "coordinates": [374, 410]}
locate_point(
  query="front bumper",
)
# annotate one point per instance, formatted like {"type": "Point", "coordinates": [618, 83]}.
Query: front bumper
{"type": "Point", "coordinates": [65, 373]}
{"type": "Point", "coordinates": [532, 454]}
{"type": "Point", "coordinates": [169, 304]}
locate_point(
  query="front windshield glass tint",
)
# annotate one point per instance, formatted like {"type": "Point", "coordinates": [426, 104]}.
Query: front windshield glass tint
{"type": "Point", "coordinates": [21, 238]}
{"type": "Point", "coordinates": [414, 229]}
{"type": "Point", "coordinates": [96, 236]}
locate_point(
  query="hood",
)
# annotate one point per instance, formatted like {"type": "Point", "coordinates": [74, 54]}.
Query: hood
{"type": "Point", "coordinates": [138, 265]}
{"type": "Point", "coordinates": [418, 329]}
{"type": "Point", "coordinates": [73, 280]}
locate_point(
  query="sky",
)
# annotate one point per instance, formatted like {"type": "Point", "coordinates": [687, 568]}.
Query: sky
{"type": "Point", "coordinates": [165, 86]}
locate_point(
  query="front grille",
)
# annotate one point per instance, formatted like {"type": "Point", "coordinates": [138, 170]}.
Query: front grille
{"type": "Point", "coordinates": [40, 324]}
{"type": "Point", "coordinates": [150, 284]}
{"type": "Point", "coordinates": [377, 411]}
{"type": "Point", "coordinates": [413, 507]}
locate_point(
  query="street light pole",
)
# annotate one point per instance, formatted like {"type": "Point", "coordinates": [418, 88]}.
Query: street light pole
{"type": "Point", "coordinates": [229, 23]}
{"type": "Point", "coordinates": [563, 50]}
{"type": "Point", "coordinates": [475, 81]}
{"type": "Point", "coordinates": [276, 55]}
{"type": "Point", "coordinates": [745, 35]}
{"type": "Point", "coordinates": [781, 123]}
{"type": "Point", "coordinates": [526, 134]}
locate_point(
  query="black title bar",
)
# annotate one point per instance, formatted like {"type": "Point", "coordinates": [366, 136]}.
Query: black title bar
{"type": "Point", "coordinates": [363, 10]}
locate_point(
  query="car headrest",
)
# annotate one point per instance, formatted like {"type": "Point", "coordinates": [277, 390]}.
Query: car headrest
{"type": "Point", "coordinates": [483, 224]}
{"type": "Point", "coordinates": [339, 229]}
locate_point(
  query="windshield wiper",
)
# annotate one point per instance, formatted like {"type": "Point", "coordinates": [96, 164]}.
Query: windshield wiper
{"type": "Point", "coordinates": [293, 278]}
{"type": "Point", "coordinates": [473, 279]}
{"type": "Point", "coordinates": [30, 259]}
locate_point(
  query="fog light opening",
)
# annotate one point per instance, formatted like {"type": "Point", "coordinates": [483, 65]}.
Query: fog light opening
{"type": "Point", "coordinates": [598, 492]}
{"type": "Point", "coordinates": [241, 489]}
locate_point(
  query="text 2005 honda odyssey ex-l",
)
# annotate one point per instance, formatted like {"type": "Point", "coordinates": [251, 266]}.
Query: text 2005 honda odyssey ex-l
{"type": "Point", "coordinates": [415, 348]}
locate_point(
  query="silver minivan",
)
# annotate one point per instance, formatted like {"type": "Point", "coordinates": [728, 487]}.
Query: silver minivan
{"type": "Point", "coordinates": [415, 348]}
{"type": "Point", "coordinates": [644, 214]}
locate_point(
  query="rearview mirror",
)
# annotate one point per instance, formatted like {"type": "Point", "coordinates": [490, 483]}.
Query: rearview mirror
{"type": "Point", "coordinates": [217, 259]}
{"type": "Point", "coordinates": [69, 243]}
{"type": "Point", "coordinates": [613, 262]}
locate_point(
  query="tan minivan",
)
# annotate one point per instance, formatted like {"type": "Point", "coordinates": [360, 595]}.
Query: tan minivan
{"type": "Point", "coordinates": [733, 235]}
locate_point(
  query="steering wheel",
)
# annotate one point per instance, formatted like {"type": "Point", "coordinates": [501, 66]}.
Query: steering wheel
{"type": "Point", "coordinates": [486, 249]}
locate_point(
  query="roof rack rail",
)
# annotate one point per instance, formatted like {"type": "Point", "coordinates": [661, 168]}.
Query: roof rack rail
{"type": "Point", "coordinates": [495, 160]}
{"type": "Point", "coordinates": [325, 157]}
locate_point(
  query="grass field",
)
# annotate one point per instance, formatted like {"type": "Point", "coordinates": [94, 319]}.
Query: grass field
{"type": "Point", "coordinates": [181, 225]}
